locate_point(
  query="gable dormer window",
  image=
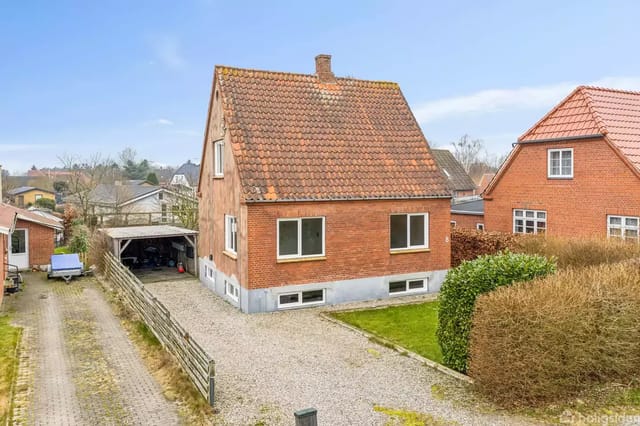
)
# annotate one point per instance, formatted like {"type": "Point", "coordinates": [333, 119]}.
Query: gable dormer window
{"type": "Point", "coordinates": [218, 160]}
{"type": "Point", "coordinates": [560, 163]}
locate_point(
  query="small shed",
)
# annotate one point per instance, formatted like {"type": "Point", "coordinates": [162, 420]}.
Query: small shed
{"type": "Point", "coordinates": [154, 246]}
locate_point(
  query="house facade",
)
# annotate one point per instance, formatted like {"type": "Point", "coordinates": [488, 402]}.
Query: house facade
{"type": "Point", "coordinates": [7, 224]}
{"type": "Point", "coordinates": [459, 181]}
{"type": "Point", "coordinates": [26, 196]}
{"type": "Point", "coordinates": [468, 214]}
{"type": "Point", "coordinates": [317, 190]}
{"type": "Point", "coordinates": [575, 173]}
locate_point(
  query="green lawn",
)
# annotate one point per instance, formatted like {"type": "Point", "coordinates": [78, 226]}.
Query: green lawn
{"type": "Point", "coordinates": [9, 337]}
{"type": "Point", "coordinates": [61, 250]}
{"type": "Point", "coordinates": [410, 326]}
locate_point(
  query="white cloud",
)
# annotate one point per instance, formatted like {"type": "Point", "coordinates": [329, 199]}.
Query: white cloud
{"type": "Point", "coordinates": [522, 98]}
{"type": "Point", "coordinates": [158, 122]}
{"type": "Point", "coordinates": [168, 52]}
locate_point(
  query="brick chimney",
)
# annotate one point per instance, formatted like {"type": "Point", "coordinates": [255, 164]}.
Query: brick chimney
{"type": "Point", "coordinates": [323, 69]}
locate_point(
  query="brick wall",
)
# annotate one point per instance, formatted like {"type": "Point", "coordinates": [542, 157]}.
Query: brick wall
{"type": "Point", "coordinates": [3, 268]}
{"type": "Point", "coordinates": [467, 221]}
{"type": "Point", "coordinates": [602, 184]}
{"type": "Point", "coordinates": [41, 242]}
{"type": "Point", "coordinates": [356, 241]}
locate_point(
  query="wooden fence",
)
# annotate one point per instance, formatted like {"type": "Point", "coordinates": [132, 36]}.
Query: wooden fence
{"type": "Point", "coordinates": [198, 365]}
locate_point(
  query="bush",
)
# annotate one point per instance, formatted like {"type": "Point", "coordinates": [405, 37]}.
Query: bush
{"type": "Point", "coordinates": [465, 283]}
{"type": "Point", "coordinates": [99, 244]}
{"type": "Point", "coordinates": [556, 338]}
{"type": "Point", "coordinates": [467, 244]}
{"type": "Point", "coordinates": [46, 203]}
{"type": "Point", "coordinates": [79, 242]}
{"type": "Point", "coordinates": [579, 252]}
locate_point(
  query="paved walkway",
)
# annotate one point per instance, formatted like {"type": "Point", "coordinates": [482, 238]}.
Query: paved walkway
{"type": "Point", "coordinates": [270, 365]}
{"type": "Point", "coordinates": [77, 366]}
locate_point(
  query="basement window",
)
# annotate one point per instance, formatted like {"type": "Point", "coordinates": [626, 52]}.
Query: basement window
{"type": "Point", "coordinates": [231, 290]}
{"type": "Point", "coordinates": [301, 298]}
{"type": "Point", "coordinates": [407, 286]}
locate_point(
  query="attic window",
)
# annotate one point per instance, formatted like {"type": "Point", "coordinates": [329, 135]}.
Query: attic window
{"type": "Point", "coordinates": [218, 160]}
{"type": "Point", "coordinates": [560, 163]}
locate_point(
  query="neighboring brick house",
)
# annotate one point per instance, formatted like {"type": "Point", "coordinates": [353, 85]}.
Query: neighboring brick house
{"type": "Point", "coordinates": [32, 241]}
{"type": "Point", "coordinates": [575, 173]}
{"type": "Point", "coordinates": [459, 181]}
{"type": "Point", "coordinates": [468, 214]}
{"type": "Point", "coordinates": [317, 190]}
{"type": "Point", "coordinates": [7, 224]}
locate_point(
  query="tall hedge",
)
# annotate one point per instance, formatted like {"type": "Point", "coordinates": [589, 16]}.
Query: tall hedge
{"type": "Point", "coordinates": [552, 340]}
{"type": "Point", "coordinates": [462, 287]}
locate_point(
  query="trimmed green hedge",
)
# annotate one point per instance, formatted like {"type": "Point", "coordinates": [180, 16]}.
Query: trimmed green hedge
{"type": "Point", "coordinates": [462, 287]}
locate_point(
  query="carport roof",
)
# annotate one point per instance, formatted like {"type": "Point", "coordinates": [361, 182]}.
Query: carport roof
{"type": "Point", "coordinates": [149, 231]}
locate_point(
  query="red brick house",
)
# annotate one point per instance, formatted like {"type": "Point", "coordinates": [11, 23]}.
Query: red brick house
{"type": "Point", "coordinates": [32, 241]}
{"type": "Point", "coordinates": [316, 189]}
{"type": "Point", "coordinates": [575, 173]}
{"type": "Point", "coordinates": [7, 224]}
{"type": "Point", "coordinates": [468, 214]}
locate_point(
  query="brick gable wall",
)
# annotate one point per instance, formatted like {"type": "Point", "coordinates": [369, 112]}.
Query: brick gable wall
{"type": "Point", "coordinates": [602, 184]}
{"type": "Point", "coordinates": [356, 241]}
{"type": "Point", "coordinates": [41, 242]}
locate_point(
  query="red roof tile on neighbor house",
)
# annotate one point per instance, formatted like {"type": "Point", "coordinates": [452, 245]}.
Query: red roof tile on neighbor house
{"type": "Point", "coordinates": [7, 218]}
{"type": "Point", "coordinates": [9, 210]}
{"type": "Point", "coordinates": [590, 111]}
{"type": "Point", "coordinates": [317, 137]}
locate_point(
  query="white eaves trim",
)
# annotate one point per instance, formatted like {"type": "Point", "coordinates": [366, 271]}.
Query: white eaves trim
{"type": "Point", "coordinates": [39, 222]}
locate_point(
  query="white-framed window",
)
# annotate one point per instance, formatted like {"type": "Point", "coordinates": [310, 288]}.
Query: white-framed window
{"type": "Point", "coordinates": [218, 160]}
{"type": "Point", "coordinates": [407, 286]}
{"type": "Point", "coordinates": [163, 213]}
{"type": "Point", "coordinates": [409, 231]}
{"type": "Point", "coordinates": [301, 237]}
{"type": "Point", "coordinates": [230, 234]}
{"type": "Point", "coordinates": [209, 273]}
{"type": "Point", "coordinates": [529, 221]}
{"type": "Point", "coordinates": [480, 226]}
{"type": "Point", "coordinates": [453, 224]}
{"type": "Point", "coordinates": [301, 298]}
{"type": "Point", "coordinates": [231, 290]}
{"type": "Point", "coordinates": [560, 163]}
{"type": "Point", "coordinates": [38, 196]}
{"type": "Point", "coordinates": [160, 195]}
{"type": "Point", "coordinates": [623, 227]}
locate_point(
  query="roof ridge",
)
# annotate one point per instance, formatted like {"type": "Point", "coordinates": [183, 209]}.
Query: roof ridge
{"type": "Point", "coordinates": [608, 89]}
{"type": "Point", "coordinates": [297, 74]}
{"type": "Point", "coordinates": [602, 127]}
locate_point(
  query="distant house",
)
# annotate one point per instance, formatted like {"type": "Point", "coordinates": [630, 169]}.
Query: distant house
{"type": "Point", "coordinates": [468, 214]}
{"type": "Point", "coordinates": [7, 225]}
{"type": "Point", "coordinates": [317, 190]}
{"type": "Point", "coordinates": [32, 240]}
{"type": "Point", "coordinates": [131, 203]}
{"type": "Point", "coordinates": [26, 196]}
{"type": "Point", "coordinates": [575, 173]}
{"type": "Point", "coordinates": [186, 175]}
{"type": "Point", "coordinates": [484, 181]}
{"type": "Point", "coordinates": [460, 184]}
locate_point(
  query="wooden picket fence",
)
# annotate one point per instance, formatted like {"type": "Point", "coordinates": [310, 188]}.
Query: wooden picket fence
{"type": "Point", "coordinates": [193, 359]}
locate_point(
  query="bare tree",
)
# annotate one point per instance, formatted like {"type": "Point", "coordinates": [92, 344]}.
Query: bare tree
{"type": "Point", "coordinates": [185, 206]}
{"type": "Point", "coordinates": [467, 151]}
{"type": "Point", "coordinates": [85, 176]}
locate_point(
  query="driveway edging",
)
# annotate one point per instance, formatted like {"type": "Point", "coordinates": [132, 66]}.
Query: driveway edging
{"type": "Point", "coordinates": [400, 349]}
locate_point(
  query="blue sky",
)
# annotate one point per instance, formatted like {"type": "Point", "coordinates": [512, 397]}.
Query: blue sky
{"type": "Point", "coordinates": [84, 77]}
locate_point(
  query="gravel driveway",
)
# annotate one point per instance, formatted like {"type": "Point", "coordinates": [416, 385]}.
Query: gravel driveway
{"type": "Point", "coordinates": [77, 365]}
{"type": "Point", "coordinates": [270, 365]}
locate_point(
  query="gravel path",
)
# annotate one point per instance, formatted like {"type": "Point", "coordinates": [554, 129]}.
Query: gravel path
{"type": "Point", "coordinates": [77, 365]}
{"type": "Point", "coordinates": [270, 365]}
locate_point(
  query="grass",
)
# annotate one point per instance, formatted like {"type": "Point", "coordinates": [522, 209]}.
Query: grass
{"type": "Point", "coordinates": [62, 250]}
{"type": "Point", "coordinates": [410, 326]}
{"type": "Point", "coordinates": [9, 339]}
{"type": "Point", "coordinates": [410, 418]}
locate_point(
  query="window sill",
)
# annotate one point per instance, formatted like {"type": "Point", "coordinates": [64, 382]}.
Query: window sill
{"type": "Point", "coordinates": [560, 177]}
{"type": "Point", "coordinates": [217, 177]}
{"type": "Point", "coordinates": [234, 256]}
{"type": "Point", "coordinates": [301, 259]}
{"type": "Point", "coordinates": [417, 250]}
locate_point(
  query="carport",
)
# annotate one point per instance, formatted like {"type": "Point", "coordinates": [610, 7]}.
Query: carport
{"type": "Point", "coordinates": [154, 247]}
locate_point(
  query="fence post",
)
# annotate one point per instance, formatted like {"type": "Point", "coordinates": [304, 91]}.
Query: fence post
{"type": "Point", "coordinates": [212, 379]}
{"type": "Point", "coordinates": [306, 417]}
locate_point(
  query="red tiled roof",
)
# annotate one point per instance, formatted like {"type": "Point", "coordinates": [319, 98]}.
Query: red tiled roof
{"type": "Point", "coordinates": [7, 209]}
{"type": "Point", "coordinates": [7, 219]}
{"type": "Point", "coordinates": [590, 111]}
{"type": "Point", "coordinates": [297, 138]}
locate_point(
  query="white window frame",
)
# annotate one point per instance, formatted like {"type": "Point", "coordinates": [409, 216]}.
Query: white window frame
{"type": "Point", "coordinates": [479, 226]}
{"type": "Point", "coordinates": [535, 218]}
{"type": "Point", "coordinates": [425, 286]}
{"type": "Point", "coordinates": [453, 224]}
{"type": "Point", "coordinates": [560, 175]}
{"type": "Point", "coordinates": [300, 302]}
{"type": "Point", "coordinates": [409, 246]}
{"type": "Point", "coordinates": [218, 158]}
{"type": "Point", "coordinates": [623, 227]}
{"type": "Point", "coordinates": [37, 197]}
{"type": "Point", "coordinates": [160, 195]}
{"type": "Point", "coordinates": [230, 231]}
{"type": "Point", "coordinates": [299, 255]}
{"type": "Point", "coordinates": [231, 290]}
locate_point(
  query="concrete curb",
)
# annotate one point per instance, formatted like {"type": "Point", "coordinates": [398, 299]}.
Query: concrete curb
{"type": "Point", "coordinates": [402, 350]}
